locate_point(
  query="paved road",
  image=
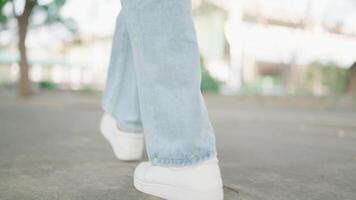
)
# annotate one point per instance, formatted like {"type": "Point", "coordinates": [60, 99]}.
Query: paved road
{"type": "Point", "coordinates": [50, 148]}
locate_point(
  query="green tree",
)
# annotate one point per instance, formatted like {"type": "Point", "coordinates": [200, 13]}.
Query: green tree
{"type": "Point", "coordinates": [21, 12]}
{"type": "Point", "coordinates": [331, 76]}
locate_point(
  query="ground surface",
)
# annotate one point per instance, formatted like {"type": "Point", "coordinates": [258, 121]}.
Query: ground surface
{"type": "Point", "coordinates": [50, 148]}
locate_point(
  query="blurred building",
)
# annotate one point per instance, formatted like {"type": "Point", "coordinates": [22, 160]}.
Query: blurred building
{"type": "Point", "coordinates": [267, 45]}
{"type": "Point", "coordinates": [272, 42]}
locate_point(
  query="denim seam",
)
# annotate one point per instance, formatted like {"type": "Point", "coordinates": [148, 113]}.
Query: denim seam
{"type": "Point", "coordinates": [133, 40]}
{"type": "Point", "coordinates": [168, 162]}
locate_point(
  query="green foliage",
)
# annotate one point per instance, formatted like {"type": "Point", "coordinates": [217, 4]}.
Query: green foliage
{"type": "Point", "coordinates": [330, 76]}
{"type": "Point", "coordinates": [267, 82]}
{"type": "Point", "coordinates": [248, 89]}
{"type": "Point", "coordinates": [47, 85]}
{"type": "Point", "coordinates": [87, 89]}
{"type": "Point", "coordinates": [263, 85]}
{"type": "Point", "coordinates": [3, 18]}
{"type": "Point", "coordinates": [50, 10]}
{"type": "Point", "coordinates": [208, 83]}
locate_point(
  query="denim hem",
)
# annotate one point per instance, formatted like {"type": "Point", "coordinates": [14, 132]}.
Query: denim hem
{"type": "Point", "coordinates": [128, 128]}
{"type": "Point", "coordinates": [121, 125]}
{"type": "Point", "coordinates": [168, 162]}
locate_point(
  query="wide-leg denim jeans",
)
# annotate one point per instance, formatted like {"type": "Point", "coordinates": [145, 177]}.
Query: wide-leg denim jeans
{"type": "Point", "coordinates": [153, 83]}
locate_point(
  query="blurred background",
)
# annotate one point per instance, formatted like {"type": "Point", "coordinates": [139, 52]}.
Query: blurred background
{"type": "Point", "coordinates": [254, 47]}
{"type": "Point", "coordinates": [278, 76]}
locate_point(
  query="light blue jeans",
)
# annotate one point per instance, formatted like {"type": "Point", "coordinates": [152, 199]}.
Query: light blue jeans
{"type": "Point", "coordinates": [153, 83]}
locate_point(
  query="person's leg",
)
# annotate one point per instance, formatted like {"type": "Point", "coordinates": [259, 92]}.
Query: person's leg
{"type": "Point", "coordinates": [121, 123]}
{"type": "Point", "coordinates": [120, 97]}
{"type": "Point", "coordinates": [167, 65]}
{"type": "Point", "coordinates": [179, 138]}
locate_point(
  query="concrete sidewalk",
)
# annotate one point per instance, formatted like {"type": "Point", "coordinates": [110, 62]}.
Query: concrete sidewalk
{"type": "Point", "coordinates": [50, 148]}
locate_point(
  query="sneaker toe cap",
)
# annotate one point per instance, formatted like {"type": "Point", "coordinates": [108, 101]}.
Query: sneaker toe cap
{"type": "Point", "coordinates": [141, 170]}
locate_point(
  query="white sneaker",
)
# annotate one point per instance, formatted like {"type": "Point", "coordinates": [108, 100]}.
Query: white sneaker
{"type": "Point", "coordinates": [126, 146]}
{"type": "Point", "coordinates": [200, 182]}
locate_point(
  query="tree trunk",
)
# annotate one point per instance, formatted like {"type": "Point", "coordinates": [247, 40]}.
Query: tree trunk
{"type": "Point", "coordinates": [24, 85]}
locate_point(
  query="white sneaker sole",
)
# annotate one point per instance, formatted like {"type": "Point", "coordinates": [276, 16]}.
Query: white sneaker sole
{"type": "Point", "coordinates": [170, 192]}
